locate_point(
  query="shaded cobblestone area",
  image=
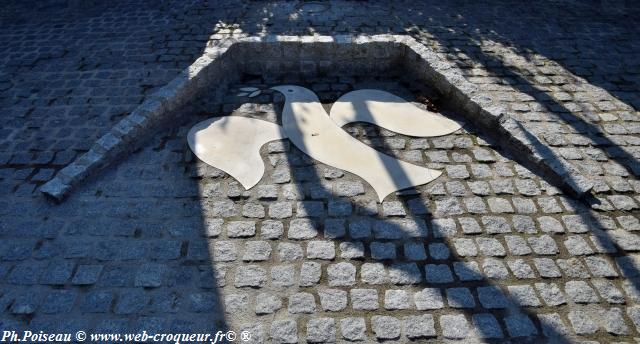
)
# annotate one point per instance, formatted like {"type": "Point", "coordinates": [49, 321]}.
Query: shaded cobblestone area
{"type": "Point", "coordinates": [489, 250]}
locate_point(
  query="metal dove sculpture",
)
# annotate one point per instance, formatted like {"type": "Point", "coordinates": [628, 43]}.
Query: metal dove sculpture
{"type": "Point", "coordinates": [232, 143]}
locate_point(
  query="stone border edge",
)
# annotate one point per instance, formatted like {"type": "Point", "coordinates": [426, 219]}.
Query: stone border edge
{"type": "Point", "coordinates": [477, 106]}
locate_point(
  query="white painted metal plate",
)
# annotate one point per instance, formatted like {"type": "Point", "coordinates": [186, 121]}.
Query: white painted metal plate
{"type": "Point", "coordinates": [232, 144]}
{"type": "Point", "coordinates": [390, 112]}
{"type": "Point", "coordinates": [310, 128]}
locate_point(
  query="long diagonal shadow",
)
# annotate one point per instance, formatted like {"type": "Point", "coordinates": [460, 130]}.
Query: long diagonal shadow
{"type": "Point", "coordinates": [508, 306]}
{"type": "Point", "coordinates": [593, 132]}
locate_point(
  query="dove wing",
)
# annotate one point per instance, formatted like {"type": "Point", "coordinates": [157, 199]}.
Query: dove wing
{"type": "Point", "coordinates": [390, 112]}
{"type": "Point", "coordinates": [232, 144]}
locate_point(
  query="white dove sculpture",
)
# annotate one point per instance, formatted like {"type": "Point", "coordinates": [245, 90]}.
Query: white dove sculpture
{"type": "Point", "coordinates": [232, 143]}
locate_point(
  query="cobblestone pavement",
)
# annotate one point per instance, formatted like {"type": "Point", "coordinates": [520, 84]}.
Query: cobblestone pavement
{"type": "Point", "coordinates": [488, 252]}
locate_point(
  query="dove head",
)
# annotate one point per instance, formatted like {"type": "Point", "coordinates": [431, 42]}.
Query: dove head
{"type": "Point", "coordinates": [296, 93]}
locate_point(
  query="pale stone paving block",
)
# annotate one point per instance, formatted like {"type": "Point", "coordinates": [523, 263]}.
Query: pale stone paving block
{"type": "Point", "coordinates": [386, 327]}
{"type": "Point", "coordinates": [364, 299]}
{"type": "Point", "coordinates": [454, 326]}
{"type": "Point", "coordinates": [321, 330]}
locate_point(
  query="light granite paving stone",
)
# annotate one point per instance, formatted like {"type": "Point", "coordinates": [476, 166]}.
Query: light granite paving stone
{"type": "Point", "coordinates": [608, 291]}
{"type": "Point", "coordinates": [448, 206]}
{"type": "Point", "coordinates": [283, 275]}
{"type": "Point", "coordinates": [267, 303]}
{"type": "Point", "coordinates": [302, 303]}
{"type": "Point", "coordinates": [457, 171]}
{"type": "Point", "coordinates": [456, 188]}
{"type": "Point", "coordinates": [373, 273]}
{"type": "Point", "coordinates": [573, 268]}
{"type": "Point", "coordinates": [419, 326]}
{"type": "Point", "coordinates": [480, 188]}
{"type": "Point", "coordinates": [546, 267]}
{"type": "Point", "coordinates": [549, 224]}
{"type": "Point", "coordinates": [553, 326]}
{"type": "Point", "coordinates": [577, 246]}
{"type": "Point", "coordinates": [443, 228]}
{"type": "Point", "coordinates": [491, 247]}
{"type": "Point", "coordinates": [549, 205]}
{"type": "Point", "coordinates": [582, 323]}
{"type": "Point", "coordinates": [396, 299]}
{"type": "Point", "coordinates": [386, 327]}
{"type": "Point", "coordinates": [517, 245]}
{"type": "Point", "coordinates": [320, 249]}
{"type": "Point", "coordinates": [321, 330]}
{"type": "Point", "coordinates": [404, 273]}
{"type": "Point", "coordinates": [289, 251]}
{"type": "Point", "coordinates": [353, 329]}
{"type": "Point", "coordinates": [580, 292]}
{"type": "Point", "coordinates": [633, 312]}
{"type": "Point", "coordinates": [301, 229]}
{"type": "Point", "coordinates": [333, 300]}
{"type": "Point", "coordinates": [475, 205]}
{"type": "Point", "coordinates": [524, 224]}
{"type": "Point", "coordinates": [502, 186]}
{"type": "Point", "coordinates": [499, 205]}
{"type": "Point", "coordinates": [622, 202]}
{"type": "Point", "coordinates": [284, 331]}
{"type": "Point", "coordinates": [614, 322]}
{"type": "Point", "coordinates": [236, 302]}
{"type": "Point", "coordinates": [469, 225]}
{"type": "Point", "coordinates": [575, 224]}
{"type": "Point", "coordinates": [348, 188]}
{"type": "Point", "coordinates": [454, 326]}
{"type": "Point", "coordinates": [267, 192]}
{"type": "Point", "coordinates": [521, 269]}
{"type": "Point", "coordinates": [250, 276]}
{"type": "Point", "coordinates": [524, 205]}
{"type": "Point", "coordinates": [352, 250]}
{"type": "Point", "coordinates": [428, 299]}
{"type": "Point", "coordinates": [253, 210]}
{"type": "Point", "coordinates": [524, 295]}
{"type": "Point", "coordinates": [629, 223]}
{"type": "Point", "coordinates": [256, 251]}
{"type": "Point", "coordinates": [280, 210]}
{"type": "Point", "coordinates": [241, 229]}
{"type": "Point", "coordinates": [543, 245]}
{"type": "Point", "coordinates": [271, 229]}
{"type": "Point", "coordinates": [341, 274]}
{"type": "Point", "coordinates": [600, 267]}
{"type": "Point", "coordinates": [393, 208]}
{"type": "Point", "coordinates": [364, 299]}
{"type": "Point", "coordinates": [310, 273]}
{"type": "Point", "coordinates": [495, 225]}
{"type": "Point", "coordinates": [494, 269]}
{"type": "Point", "coordinates": [465, 247]}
